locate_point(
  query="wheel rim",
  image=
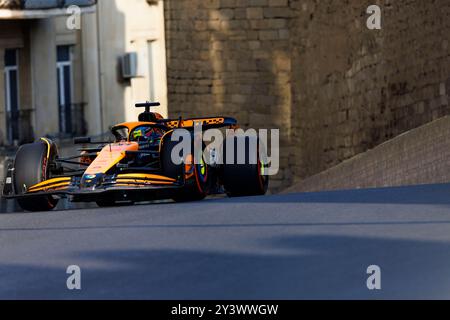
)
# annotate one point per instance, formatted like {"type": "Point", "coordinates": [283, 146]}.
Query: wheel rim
{"type": "Point", "coordinates": [202, 170]}
{"type": "Point", "coordinates": [262, 174]}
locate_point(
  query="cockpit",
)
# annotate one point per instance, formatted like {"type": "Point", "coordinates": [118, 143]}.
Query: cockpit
{"type": "Point", "coordinates": [147, 134]}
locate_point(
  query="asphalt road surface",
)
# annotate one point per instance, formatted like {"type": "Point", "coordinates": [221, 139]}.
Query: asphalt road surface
{"type": "Point", "coordinates": [296, 246]}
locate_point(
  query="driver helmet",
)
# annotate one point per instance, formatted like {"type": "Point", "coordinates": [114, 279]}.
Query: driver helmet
{"type": "Point", "coordinates": [148, 134]}
{"type": "Point", "coordinates": [138, 133]}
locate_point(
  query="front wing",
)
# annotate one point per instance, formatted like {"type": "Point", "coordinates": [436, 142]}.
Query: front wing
{"type": "Point", "coordinates": [121, 187]}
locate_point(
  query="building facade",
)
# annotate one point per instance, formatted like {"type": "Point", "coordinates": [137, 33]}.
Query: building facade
{"type": "Point", "coordinates": [77, 70]}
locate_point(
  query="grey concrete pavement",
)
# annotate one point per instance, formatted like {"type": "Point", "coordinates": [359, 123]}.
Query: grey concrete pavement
{"type": "Point", "coordinates": [297, 246]}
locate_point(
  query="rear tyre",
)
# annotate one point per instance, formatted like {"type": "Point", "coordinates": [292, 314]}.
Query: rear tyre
{"type": "Point", "coordinates": [247, 179]}
{"type": "Point", "coordinates": [195, 175]}
{"type": "Point", "coordinates": [31, 167]}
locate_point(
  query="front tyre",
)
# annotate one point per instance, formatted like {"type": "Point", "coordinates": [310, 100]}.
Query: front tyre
{"type": "Point", "coordinates": [197, 182]}
{"type": "Point", "coordinates": [196, 176]}
{"type": "Point", "coordinates": [31, 167]}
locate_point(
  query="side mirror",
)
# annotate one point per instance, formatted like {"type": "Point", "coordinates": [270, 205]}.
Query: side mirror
{"type": "Point", "coordinates": [82, 140]}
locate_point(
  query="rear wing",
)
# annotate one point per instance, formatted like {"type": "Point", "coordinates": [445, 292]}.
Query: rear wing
{"type": "Point", "coordinates": [208, 123]}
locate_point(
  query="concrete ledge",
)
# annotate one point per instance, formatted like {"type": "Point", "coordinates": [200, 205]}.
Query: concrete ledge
{"type": "Point", "coordinates": [419, 156]}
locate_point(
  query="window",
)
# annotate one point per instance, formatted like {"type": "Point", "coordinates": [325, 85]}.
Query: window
{"type": "Point", "coordinates": [11, 74]}
{"type": "Point", "coordinates": [65, 89]}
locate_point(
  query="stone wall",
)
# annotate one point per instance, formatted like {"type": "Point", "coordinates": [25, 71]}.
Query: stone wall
{"type": "Point", "coordinates": [419, 156]}
{"type": "Point", "coordinates": [231, 57]}
{"type": "Point", "coordinates": [355, 88]}
{"type": "Point", "coordinates": [313, 69]}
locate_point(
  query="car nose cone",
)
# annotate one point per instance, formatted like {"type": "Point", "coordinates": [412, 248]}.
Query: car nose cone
{"type": "Point", "coordinates": [91, 181]}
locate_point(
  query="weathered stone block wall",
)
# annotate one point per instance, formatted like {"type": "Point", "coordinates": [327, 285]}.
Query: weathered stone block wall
{"type": "Point", "coordinates": [232, 57]}
{"type": "Point", "coordinates": [419, 156]}
{"type": "Point", "coordinates": [313, 69]}
{"type": "Point", "coordinates": [354, 88]}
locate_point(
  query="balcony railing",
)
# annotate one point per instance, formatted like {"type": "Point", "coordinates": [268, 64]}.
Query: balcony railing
{"type": "Point", "coordinates": [18, 127]}
{"type": "Point", "coordinates": [71, 120]}
{"type": "Point", "coordinates": [32, 9]}
{"type": "Point", "coordinates": [43, 4]}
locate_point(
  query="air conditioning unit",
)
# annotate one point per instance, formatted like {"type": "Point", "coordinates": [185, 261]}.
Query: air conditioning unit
{"type": "Point", "coordinates": [129, 64]}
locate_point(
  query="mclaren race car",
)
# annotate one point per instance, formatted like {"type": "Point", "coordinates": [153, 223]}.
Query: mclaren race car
{"type": "Point", "coordinates": [135, 166]}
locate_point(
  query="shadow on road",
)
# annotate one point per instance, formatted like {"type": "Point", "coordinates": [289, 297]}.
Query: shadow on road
{"type": "Point", "coordinates": [422, 194]}
{"type": "Point", "coordinates": [230, 226]}
{"type": "Point", "coordinates": [287, 267]}
{"type": "Point", "coordinates": [64, 205]}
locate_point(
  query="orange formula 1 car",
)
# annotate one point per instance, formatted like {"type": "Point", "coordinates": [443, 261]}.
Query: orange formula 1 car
{"type": "Point", "coordinates": [136, 167]}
